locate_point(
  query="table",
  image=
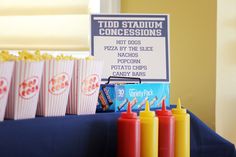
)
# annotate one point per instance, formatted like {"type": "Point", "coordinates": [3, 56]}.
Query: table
{"type": "Point", "coordinates": [90, 136]}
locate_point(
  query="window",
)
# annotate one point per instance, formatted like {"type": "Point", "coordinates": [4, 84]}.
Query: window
{"type": "Point", "coordinates": [50, 25]}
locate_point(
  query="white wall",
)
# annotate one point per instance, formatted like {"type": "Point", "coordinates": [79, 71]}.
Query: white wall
{"type": "Point", "coordinates": [226, 70]}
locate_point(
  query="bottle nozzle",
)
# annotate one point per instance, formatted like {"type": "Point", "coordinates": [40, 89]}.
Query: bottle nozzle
{"type": "Point", "coordinates": [179, 109]}
{"type": "Point", "coordinates": [163, 111]}
{"type": "Point", "coordinates": [163, 105]}
{"type": "Point", "coordinates": [147, 106]}
{"type": "Point", "coordinates": [129, 113]}
{"type": "Point", "coordinates": [129, 108]}
{"type": "Point", "coordinates": [147, 112]}
{"type": "Point", "coordinates": [179, 104]}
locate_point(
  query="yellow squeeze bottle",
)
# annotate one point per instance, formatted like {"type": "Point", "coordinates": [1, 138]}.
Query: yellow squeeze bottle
{"type": "Point", "coordinates": [182, 131]}
{"type": "Point", "coordinates": [149, 132]}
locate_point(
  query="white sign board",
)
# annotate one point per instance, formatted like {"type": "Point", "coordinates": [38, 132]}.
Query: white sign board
{"type": "Point", "coordinates": [132, 45]}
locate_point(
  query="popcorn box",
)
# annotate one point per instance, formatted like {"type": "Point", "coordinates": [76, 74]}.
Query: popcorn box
{"type": "Point", "coordinates": [6, 69]}
{"type": "Point", "coordinates": [24, 90]}
{"type": "Point", "coordinates": [55, 87]}
{"type": "Point", "coordinates": [115, 97]}
{"type": "Point", "coordinates": [84, 87]}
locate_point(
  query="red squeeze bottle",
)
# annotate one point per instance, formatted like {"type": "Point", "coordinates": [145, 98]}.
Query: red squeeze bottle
{"type": "Point", "coordinates": [128, 134]}
{"type": "Point", "coordinates": [166, 132]}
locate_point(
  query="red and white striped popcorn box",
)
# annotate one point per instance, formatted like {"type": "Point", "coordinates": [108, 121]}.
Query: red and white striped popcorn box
{"type": "Point", "coordinates": [24, 90]}
{"type": "Point", "coordinates": [6, 69]}
{"type": "Point", "coordinates": [84, 87]}
{"type": "Point", "coordinates": [55, 87]}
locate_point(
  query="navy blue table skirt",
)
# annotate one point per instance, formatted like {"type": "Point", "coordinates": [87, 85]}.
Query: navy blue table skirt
{"type": "Point", "coordinates": [90, 136]}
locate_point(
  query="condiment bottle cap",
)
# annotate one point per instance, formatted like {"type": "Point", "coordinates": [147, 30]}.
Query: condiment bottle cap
{"type": "Point", "coordinates": [163, 111]}
{"type": "Point", "coordinates": [179, 109]}
{"type": "Point", "coordinates": [129, 114]}
{"type": "Point", "coordinates": [147, 112]}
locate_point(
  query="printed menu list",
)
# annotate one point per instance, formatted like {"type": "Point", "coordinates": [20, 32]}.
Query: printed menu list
{"type": "Point", "coordinates": [128, 63]}
{"type": "Point", "coordinates": [132, 45]}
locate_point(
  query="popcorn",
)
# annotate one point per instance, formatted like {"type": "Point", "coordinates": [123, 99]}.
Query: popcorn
{"type": "Point", "coordinates": [57, 76]}
{"type": "Point", "coordinates": [89, 58]}
{"type": "Point", "coordinates": [6, 68]}
{"type": "Point", "coordinates": [25, 87]}
{"type": "Point", "coordinates": [6, 56]}
{"type": "Point", "coordinates": [46, 56]}
{"type": "Point", "coordinates": [25, 55]}
{"type": "Point", "coordinates": [85, 86]}
{"type": "Point", "coordinates": [62, 57]}
{"type": "Point", "coordinates": [28, 95]}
